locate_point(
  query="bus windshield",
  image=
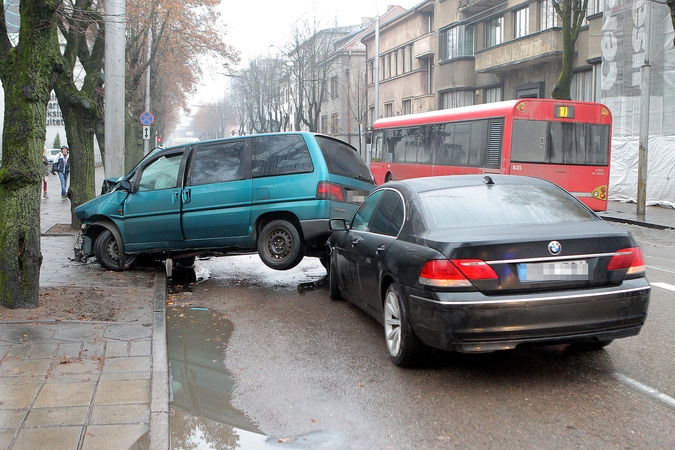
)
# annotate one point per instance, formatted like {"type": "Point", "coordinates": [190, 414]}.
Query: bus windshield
{"type": "Point", "coordinates": [540, 141]}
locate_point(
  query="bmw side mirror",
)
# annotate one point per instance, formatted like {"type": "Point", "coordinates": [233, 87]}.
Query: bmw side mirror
{"type": "Point", "coordinates": [338, 224]}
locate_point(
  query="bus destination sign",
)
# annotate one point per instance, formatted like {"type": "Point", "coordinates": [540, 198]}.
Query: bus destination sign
{"type": "Point", "coordinates": [564, 111]}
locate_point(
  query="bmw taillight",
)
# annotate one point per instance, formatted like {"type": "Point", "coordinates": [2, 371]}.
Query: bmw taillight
{"type": "Point", "coordinates": [329, 191]}
{"type": "Point", "coordinates": [455, 273]}
{"type": "Point", "coordinates": [628, 258]}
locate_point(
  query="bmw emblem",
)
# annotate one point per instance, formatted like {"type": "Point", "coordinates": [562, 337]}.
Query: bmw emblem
{"type": "Point", "coordinates": [554, 247]}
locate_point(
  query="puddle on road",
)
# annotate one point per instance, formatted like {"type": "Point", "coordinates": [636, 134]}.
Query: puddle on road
{"type": "Point", "coordinates": [201, 415]}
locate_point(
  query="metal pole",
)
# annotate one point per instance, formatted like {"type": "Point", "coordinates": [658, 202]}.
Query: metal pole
{"type": "Point", "coordinates": [146, 142]}
{"type": "Point", "coordinates": [376, 69]}
{"type": "Point", "coordinates": [115, 11]}
{"type": "Point", "coordinates": [376, 74]}
{"type": "Point", "coordinates": [644, 119]}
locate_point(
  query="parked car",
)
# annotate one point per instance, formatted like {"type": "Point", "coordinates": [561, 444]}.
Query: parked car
{"type": "Point", "coordinates": [52, 155]}
{"type": "Point", "coordinates": [270, 193]}
{"type": "Point", "coordinates": [475, 263]}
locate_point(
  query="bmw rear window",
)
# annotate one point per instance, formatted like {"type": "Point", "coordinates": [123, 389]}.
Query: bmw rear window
{"type": "Point", "coordinates": [497, 205]}
{"type": "Point", "coordinates": [343, 159]}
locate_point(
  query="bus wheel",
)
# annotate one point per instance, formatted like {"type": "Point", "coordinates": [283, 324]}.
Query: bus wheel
{"type": "Point", "coordinates": [388, 178]}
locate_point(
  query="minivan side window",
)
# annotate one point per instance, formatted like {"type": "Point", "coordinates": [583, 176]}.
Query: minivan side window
{"type": "Point", "coordinates": [216, 163]}
{"type": "Point", "coordinates": [279, 155]}
{"type": "Point", "coordinates": [161, 174]}
{"type": "Point", "coordinates": [342, 159]}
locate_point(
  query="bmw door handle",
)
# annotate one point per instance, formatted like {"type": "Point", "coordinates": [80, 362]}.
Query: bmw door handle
{"type": "Point", "coordinates": [356, 241]}
{"type": "Point", "coordinates": [380, 249]}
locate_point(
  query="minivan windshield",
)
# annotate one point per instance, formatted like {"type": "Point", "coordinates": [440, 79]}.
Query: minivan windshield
{"type": "Point", "coordinates": [343, 159]}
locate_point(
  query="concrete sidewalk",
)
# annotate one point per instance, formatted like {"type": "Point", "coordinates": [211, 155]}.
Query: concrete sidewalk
{"type": "Point", "coordinates": [85, 384]}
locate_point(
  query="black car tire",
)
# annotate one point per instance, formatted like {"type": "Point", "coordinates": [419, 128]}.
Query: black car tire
{"type": "Point", "coordinates": [280, 246]}
{"type": "Point", "coordinates": [188, 261]}
{"type": "Point", "coordinates": [333, 287]}
{"type": "Point", "coordinates": [404, 347]}
{"type": "Point", "coordinates": [107, 254]}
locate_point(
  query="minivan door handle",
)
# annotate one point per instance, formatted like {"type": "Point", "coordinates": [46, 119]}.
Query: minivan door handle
{"type": "Point", "coordinates": [175, 197]}
{"type": "Point", "coordinates": [186, 195]}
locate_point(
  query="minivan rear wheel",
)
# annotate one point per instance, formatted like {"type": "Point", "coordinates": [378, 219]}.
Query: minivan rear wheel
{"type": "Point", "coordinates": [280, 245]}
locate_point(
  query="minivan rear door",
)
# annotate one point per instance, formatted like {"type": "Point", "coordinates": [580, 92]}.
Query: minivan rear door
{"type": "Point", "coordinates": [216, 198]}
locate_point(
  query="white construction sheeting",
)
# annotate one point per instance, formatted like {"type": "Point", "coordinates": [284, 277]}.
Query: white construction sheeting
{"type": "Point", "coordinates": [660, 170]}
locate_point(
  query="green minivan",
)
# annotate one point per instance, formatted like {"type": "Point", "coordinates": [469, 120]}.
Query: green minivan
{"type": "Point", "coordinates": [269, 193]}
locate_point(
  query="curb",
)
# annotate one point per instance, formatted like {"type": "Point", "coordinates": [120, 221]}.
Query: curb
{"type": "Point", "coordinates": [159, 403]}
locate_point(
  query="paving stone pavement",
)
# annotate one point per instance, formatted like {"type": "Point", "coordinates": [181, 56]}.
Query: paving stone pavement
{"type": "Point", "coordinates": [85, 384]}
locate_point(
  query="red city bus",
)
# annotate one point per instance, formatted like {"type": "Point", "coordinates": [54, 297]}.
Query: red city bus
{"type": "Point", "coordinates": [565, 142]}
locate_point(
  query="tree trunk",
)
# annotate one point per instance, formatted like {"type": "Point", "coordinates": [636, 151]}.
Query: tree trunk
{"type": "Point", "coordinates": [561, 90]}
{"type": "Point", "coordinates": [79, 116]}
{"type": "Point", "coordinates": [27, 72]}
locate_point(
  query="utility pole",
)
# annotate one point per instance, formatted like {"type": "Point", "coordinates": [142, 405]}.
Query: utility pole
{"type": "Point", "coordinates": [115, 23]}
{"type": "Point", "coordinates": [146, 142]}
{"type": "Point", "coordinates": [376, 74]}
{"type": "Point", "coordinates": [644, 119]}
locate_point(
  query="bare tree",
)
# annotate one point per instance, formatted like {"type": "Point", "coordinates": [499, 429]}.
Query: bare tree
{"type": "Point", "coordinates": [258, 94]}
{"type": "Point", "coordinates": [572, 14]}
{"type": "Point", "coordinates": [215, 120]}
{"type": "Point", "coordinates": [309, 52]}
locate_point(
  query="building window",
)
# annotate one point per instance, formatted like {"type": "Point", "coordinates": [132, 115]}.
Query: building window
{"type": "Point", "coordinates": [324, 125]}
{"type": "Point", "coordinates": [388, 109]}
{"type": "Point", "coordinates": [407, 106]}
{"type": "Point", "coordinates": [582, 86]}
{"type": "Point", "coordinates": [521, 22]}
{"type": "Point", "coordinates": [493, 94]}
{"type": "Point", "coordinates": [595, 7]}
{"type": "Point", "coordinates": [456, 99]}
{"type": "Point", "coordinates": [549, 18]}
{"type": "Point", "coordinates": [334, 86]}
{"type": "Point", "coordinates": [334, 124]}
{"type": "Point", "coordinates": [382, 68]}
{"type": "Point", "coordinates": [410, 58]}
{"type": "Point", "coordinates": [403, 59]}
{"type": "Point", "coordinates": [494, 32]}
{"type": "Point", "coordinates": [371, 71]}
{"type": "Point", "coordinates": [456, 42]}
{"type": "Point", "coordinates": [396, 62]}
{"type": "Point", "coordinates": [371, 115]}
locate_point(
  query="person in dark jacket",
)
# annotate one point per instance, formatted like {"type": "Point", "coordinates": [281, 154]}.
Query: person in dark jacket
{"type": "Point", "coordinates": [62, 169]}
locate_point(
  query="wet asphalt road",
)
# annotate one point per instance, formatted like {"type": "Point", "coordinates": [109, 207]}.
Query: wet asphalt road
{"type": "Point", "coordinates": [315, 373]}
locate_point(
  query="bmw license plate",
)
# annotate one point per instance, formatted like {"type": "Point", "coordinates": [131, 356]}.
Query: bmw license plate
{"type": "Point", "coordinates": [553, 271]}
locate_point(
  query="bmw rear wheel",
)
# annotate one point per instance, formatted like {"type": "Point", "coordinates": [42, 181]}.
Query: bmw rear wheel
{"type": "Point", "coordinates": [107, 253]}
{"type": "Point", "coordinates": [404, 347]}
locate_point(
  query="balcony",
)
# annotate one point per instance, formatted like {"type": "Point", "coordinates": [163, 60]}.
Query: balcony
{"type": "Point", "coordinates": [425, 47]}
{"type": "Point", "coordinates": [472, 7]}
{"type": "Point", "coordinates": [534, 49]}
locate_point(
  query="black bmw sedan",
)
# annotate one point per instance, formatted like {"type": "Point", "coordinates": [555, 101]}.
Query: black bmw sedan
{"type": "Point", "coordinates": [479, 263]}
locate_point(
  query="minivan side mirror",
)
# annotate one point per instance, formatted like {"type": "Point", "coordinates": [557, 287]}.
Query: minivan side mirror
{"type": "Point", "coordinates": [338, 224]}
{"type": "Point", "coordinates": [125, 185]}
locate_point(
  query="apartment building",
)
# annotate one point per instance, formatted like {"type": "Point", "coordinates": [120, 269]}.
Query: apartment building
{"type": "Point", "coordinates": [451, 53]}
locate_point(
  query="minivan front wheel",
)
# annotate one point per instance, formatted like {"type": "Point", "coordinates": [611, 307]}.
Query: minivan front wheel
{"type": "Point", "coordinates": [280, 245]}
{"type": "Point", "coordinates": [107, 252]}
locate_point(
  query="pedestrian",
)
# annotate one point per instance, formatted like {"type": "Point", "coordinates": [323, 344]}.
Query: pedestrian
{"type": "Point", "coordinates": [62, 169]}
{"type": "Point", "coordinates": [45, 172]}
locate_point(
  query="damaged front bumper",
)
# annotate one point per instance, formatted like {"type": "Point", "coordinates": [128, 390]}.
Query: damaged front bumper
{"type": "Point", "coordinates": [83, 247]}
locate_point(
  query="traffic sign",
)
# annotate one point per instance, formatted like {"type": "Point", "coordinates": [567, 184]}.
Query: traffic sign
{"type": "Point", "coordinates": [147, 118]}
{"type": "Point", "coordinates": [146, 133]}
